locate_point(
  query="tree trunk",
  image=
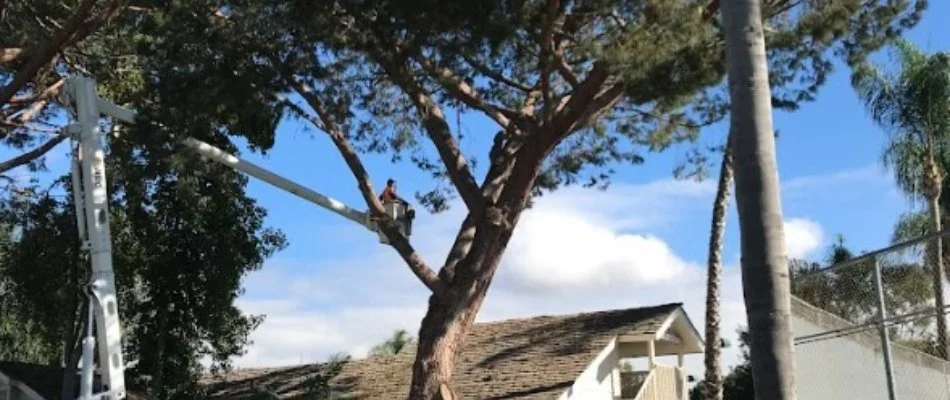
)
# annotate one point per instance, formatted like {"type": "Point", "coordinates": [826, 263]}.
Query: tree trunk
{"type": "Point", "coordinates": [936, 248]}
{"type": "Point", "coordinates": [765, 275]}
{"type": "Point", "coordinates": [158, 368]}
{"type": "Point", "coordinates": [448, 321]}
{"type": "Point", "coordinates": [440, 338]}
{"type": "Point", "coordinates": [713, 381]}
{"type": "Point", "coordinates": [74, 328]}
{"type": "Point", "coordinates": [932, 187]}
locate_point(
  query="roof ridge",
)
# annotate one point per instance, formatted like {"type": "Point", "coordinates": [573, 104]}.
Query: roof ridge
{"type": "Point", "coordinates": [581, 313]}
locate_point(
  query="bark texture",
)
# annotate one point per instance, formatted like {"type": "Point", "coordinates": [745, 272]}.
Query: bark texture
{"type": "Point", "coordinates": [713, 381]}
{"type": "Point", "coordinates": [449, 319]}
{"type": "Point", "coordinates": [468, 272]}
{"type": "Point", "coordinates": [932, 188]}
{"type": "Point", "coordinates": [765, 276]}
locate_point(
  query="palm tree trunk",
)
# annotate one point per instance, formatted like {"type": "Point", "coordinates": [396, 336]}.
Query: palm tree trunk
{"type": "Point", "coordinates": [713, 385]}
{"type": "Point", "coordinates": [936, 245]}
{"type": "Point", "coordinates": [765, 275]}
{"type": "Point", "coordinates": [935, 248]}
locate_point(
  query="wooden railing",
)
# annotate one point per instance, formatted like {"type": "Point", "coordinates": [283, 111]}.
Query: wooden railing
{"type": "Point", "coordinates": [662, 383]}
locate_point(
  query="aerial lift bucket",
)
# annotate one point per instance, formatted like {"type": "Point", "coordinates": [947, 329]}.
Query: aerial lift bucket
{"type": "Point", "coordinates": [401, 214]}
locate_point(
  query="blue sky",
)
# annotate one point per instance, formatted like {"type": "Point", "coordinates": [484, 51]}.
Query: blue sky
{"type": "Point", "coordinates": [336, 289]}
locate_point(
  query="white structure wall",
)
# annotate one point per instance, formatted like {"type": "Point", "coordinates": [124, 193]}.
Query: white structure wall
{"type": "Point", "coordinates": [596, 382]}
{"type": "Point", "coordinates": [852, 366]}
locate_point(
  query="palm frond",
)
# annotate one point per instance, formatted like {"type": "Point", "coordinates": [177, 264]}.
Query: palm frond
{"type": "Point", "coordinates": [912, 105]}
{"type": "Point", "coordinates": [902, 155]}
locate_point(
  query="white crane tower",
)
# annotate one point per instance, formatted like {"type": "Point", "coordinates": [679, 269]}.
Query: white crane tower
{"type": "Point", "coordinates": [92, 217]}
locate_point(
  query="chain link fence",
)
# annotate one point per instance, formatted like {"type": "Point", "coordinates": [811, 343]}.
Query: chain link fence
{"type": "Point", "coordinates": [869, 326]}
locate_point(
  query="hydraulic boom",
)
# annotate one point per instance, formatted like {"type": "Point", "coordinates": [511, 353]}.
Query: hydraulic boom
{"type": "Point", "coordinates": [92, 213]}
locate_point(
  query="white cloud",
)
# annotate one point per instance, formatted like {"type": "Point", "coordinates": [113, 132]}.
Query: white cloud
{"type": "Point", "coordinates": [555, 250]}
{"type": "Point", "coordinates": [802, 237]}
{"type": "Point", "coordinates": [292, 334]}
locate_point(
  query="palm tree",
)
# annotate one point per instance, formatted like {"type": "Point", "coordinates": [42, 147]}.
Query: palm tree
{"type": "Point", "coordinates": [765, 278]}
{"type": "Point", "coordinates": [713, 382]}
{"type": "Point", "coordinates": [912, 105]}
{"type": "Point", "coordinates": [393, 345]}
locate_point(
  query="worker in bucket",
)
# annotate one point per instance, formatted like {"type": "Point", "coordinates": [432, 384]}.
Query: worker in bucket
{"type": "Point", "coordinates": [389, 196]}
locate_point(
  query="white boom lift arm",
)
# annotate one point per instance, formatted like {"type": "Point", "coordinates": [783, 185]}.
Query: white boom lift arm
{"type": "Point", "coordinates": [92, 215]}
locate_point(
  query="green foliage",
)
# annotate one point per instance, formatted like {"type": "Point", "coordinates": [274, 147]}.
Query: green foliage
{"type": "Point", "coordinates": [44, 268]}
{"type": "Point", "coordinates": [393, 345]}
{"type": "Point", "coordinates": [20, 338]}
{"type": "Point", "coordinates": [360, 60]}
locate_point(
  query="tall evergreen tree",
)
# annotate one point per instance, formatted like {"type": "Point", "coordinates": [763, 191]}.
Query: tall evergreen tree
{"type": "Point", "coordinates": [572, 86]}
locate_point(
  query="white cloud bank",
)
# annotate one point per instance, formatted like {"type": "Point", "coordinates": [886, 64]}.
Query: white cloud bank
{"type": "Point", "coordinates": [557, 250]}
{"type": "Point", "coordinates": [802, 237]}
{"type": "Point", "coordinates": [576, 250]}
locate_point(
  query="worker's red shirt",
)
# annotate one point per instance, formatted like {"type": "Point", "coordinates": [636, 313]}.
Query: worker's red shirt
{"type": "Point", "coordinates": [388, 194]}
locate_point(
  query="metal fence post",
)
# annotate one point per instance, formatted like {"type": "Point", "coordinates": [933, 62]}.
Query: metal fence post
{"type": "Point", "coordinates": [885, 335]}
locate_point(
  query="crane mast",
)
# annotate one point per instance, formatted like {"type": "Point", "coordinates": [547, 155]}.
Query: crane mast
{"type": "Point", "coordinates": [92, 217]}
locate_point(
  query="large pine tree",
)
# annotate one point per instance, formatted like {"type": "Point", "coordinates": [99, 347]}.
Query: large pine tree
{"type": "Point", "coordinates": [573, 88]}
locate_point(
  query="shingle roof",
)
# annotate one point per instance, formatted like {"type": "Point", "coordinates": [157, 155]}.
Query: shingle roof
{"type": "Point", "coordinates": [531, 358]}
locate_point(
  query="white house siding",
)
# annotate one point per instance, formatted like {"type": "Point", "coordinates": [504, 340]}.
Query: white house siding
{"type": "Point", "coordinates": [596, 382]}
{"type": "Point", "coordinates": [852, 367]}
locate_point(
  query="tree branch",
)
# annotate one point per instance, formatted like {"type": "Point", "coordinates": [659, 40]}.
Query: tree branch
{"type": "Point", "coordinates": [600, 105]}
{"type": "Point", "coordinates": [299, 111]}
{"type": "Point", "coordinates": [484, 70]}
{"type": "Point", "coordinates": [397, 240]}
{"type": "Point", "coordinates": [460, 248]}
{"type": "Point", "coordinates": [46, 52]}
{"type": "Point", "coordinates": [530, 101]}
{"type": "Point", "coordinates": [502, 160]}
{"type": "Point", "coordinates": [464, 92]}
{"type": "Point", "coordinates": [546, 56]}
{"type": "Point", "coordinates": [41, 101]}
{"type": "Point", "coordinates": [574, 108]}
{"type": "Point", "coordinates": [9, 55]}
{"type": "Point", "coordinates": [31, 155]}
{"type": "Point", "coordinates": [565, 69]}
{"type": "Point", "coordinates": [438, 129]}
